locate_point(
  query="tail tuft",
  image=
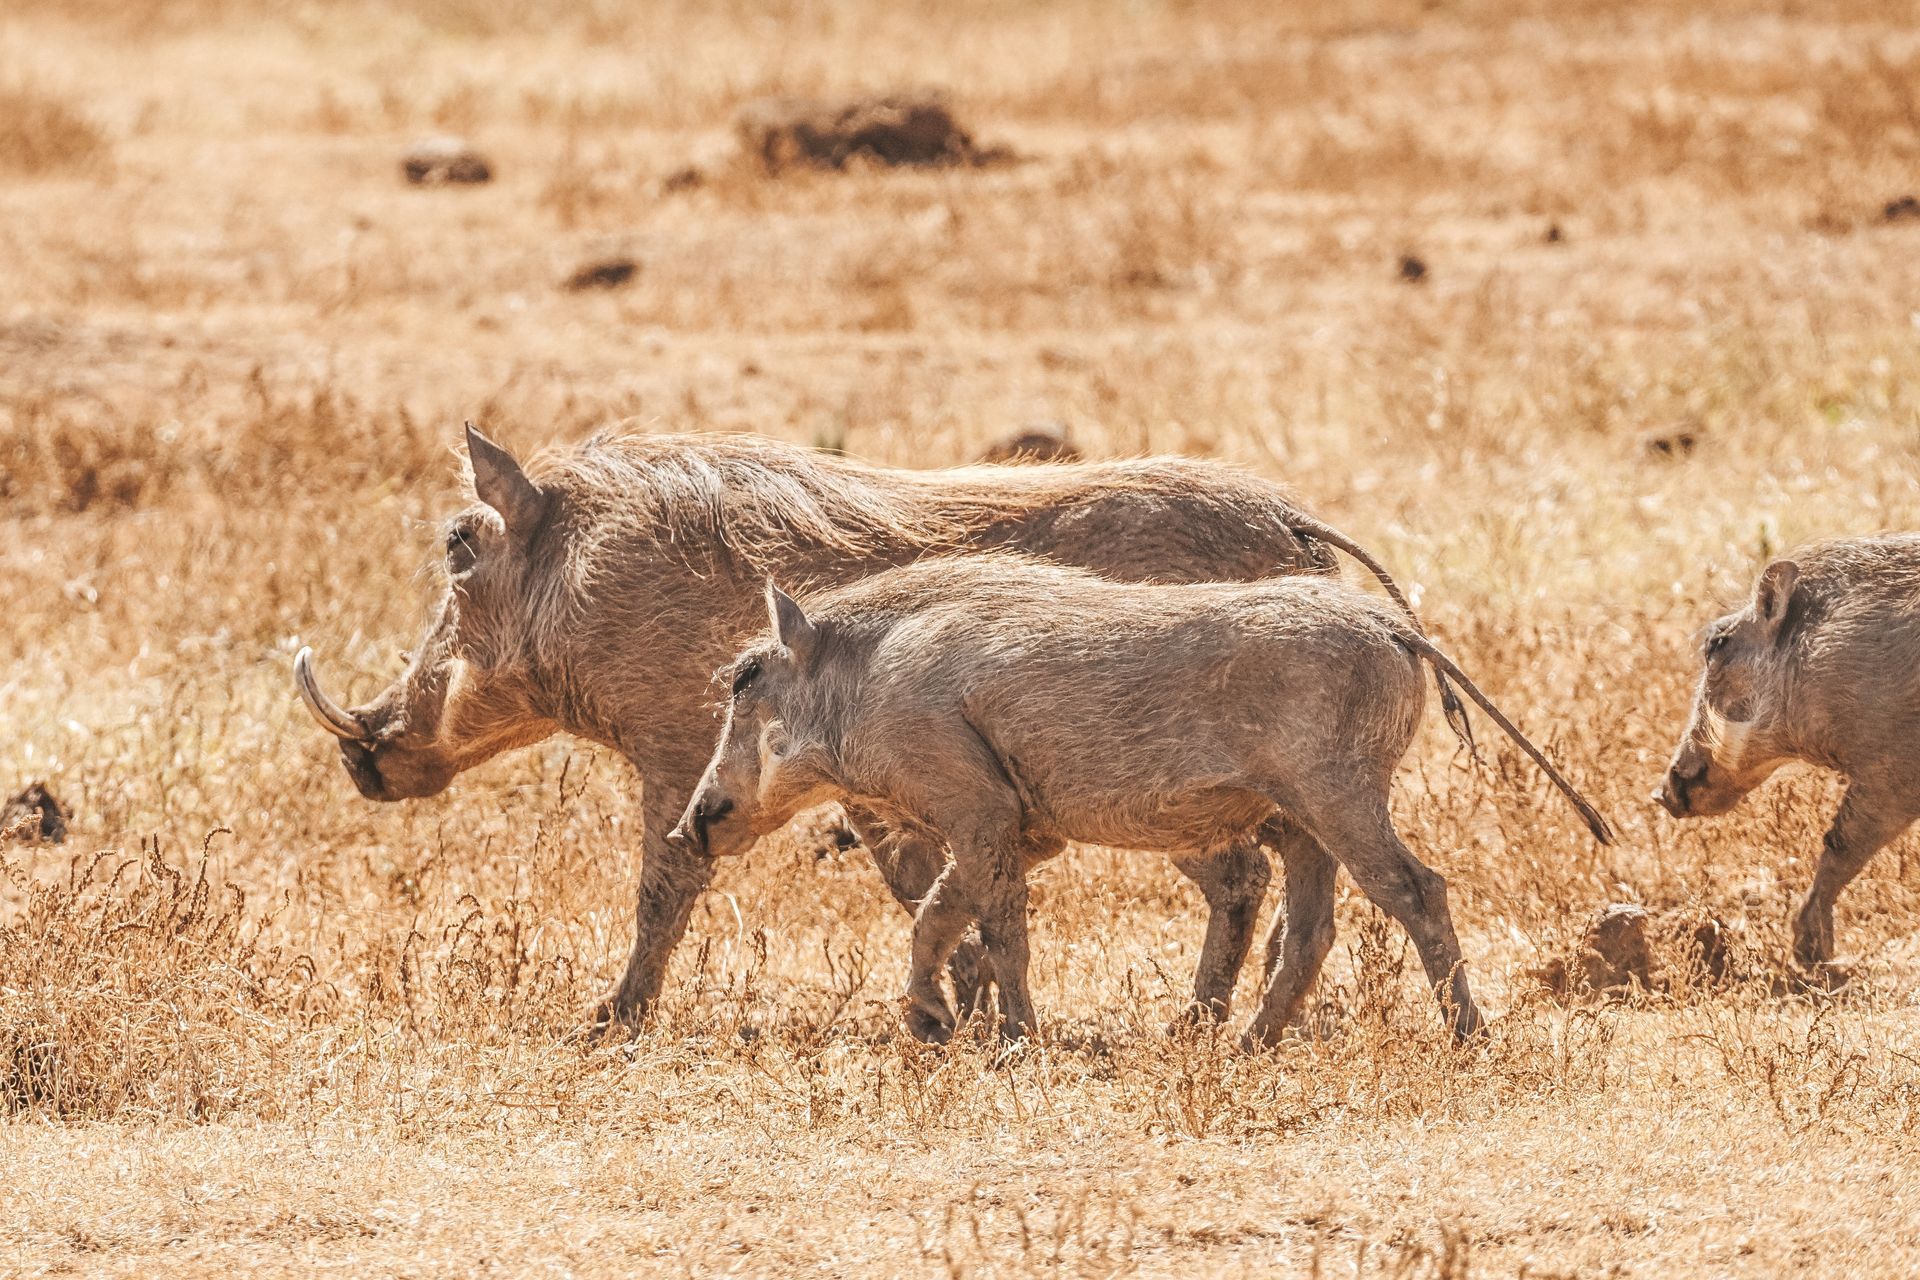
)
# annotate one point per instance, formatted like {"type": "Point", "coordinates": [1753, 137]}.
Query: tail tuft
{"type": "Point", "coordinates": [1456, 713]}
{"type": "Point", "coordinates": [1601, 828]}
{"type": "Point", "coordinates": [1444, 667]}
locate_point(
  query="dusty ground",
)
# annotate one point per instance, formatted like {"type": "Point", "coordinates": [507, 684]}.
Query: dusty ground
{"type": "Point", "coordinates": [273, 1027]}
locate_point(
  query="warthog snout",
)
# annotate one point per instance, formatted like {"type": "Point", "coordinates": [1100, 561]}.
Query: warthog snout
{"type": "Point", "coordinates": [1694, 785]}
{"type": "Point", "coordinates": [1673, 792]}
{"type": "Point", "coordinates": [358, 759]}
{"type": "Point", "coordinates": [692, 831]}
{"type": "Point", "coordinates": [383, 759]}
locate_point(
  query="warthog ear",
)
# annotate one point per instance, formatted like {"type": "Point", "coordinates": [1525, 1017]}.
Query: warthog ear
{"type": "Point", "coordinates": [499, 482]}
{"type": "Point", "coordinates": [1774, 594]}
{"type": "Point", "coordinates": [790, 625]}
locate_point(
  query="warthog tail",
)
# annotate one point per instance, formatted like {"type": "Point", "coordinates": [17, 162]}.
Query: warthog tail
{"type": "Point", "coordinates": [1450, 704]}
{"type": "Point", "coordinates": [1602, 830]}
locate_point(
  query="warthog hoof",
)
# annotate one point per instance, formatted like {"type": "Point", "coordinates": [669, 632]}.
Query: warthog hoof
{"type": "Point", "coordinates": [1812, 944]}
{"type": "Point", "coordinates": [1197, 1014]}
{"type": "Point", "coordinates": [607, 1020]}
{"type": "Point", "coordinates": [1264, 1038]}
{"type": "Point", "coordinates": [1015, 1027]}
{"type": "Point", "coordinates": [1471, 1030]}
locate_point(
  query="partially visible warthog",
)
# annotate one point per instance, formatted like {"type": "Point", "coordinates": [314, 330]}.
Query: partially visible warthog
{"type": "Point", "coordinates": [1005, 706]}
{"type": "Point", "coordinates": [597, 596]}
{"type": "Point", "coordinates": [1822, 664]}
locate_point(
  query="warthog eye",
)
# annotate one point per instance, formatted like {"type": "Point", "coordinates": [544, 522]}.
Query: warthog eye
{"type": "Point", "coordinates": [460, 550]}
{"type": "Point", "coordinates": [1716, 644]}
{"type": "Point", "coordinates": [744, 675]}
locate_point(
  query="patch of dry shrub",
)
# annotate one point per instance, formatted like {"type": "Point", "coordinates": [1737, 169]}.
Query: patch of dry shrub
{"type": "Point", "coordinates": [66, 453]}
{"type": "Point", "coordinates": [1817, 1070]}
{"type": "Point", "coordinates": [133, 986]}
{"type": "Point", "coordinates": [57, 457]}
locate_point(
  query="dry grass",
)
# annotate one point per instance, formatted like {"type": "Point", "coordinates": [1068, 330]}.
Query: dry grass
{"type": "Point", "coordinates": [248, 1021]}
{"type": "Point", "coordinates": [42, 134]}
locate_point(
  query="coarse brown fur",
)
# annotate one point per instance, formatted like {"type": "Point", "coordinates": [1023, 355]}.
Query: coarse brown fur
{"type": "Point", "coordinates": [963, 697]}
{"type": "Point", "coordinates": [1822, 664]}
{"type": "Point", "coordinates": [598, 596]}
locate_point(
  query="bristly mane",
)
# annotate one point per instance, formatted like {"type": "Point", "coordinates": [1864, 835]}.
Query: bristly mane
{"type": "Point", "coordinates": [761, 501]}
{"type": "Point", "coordinates": [767, 503]}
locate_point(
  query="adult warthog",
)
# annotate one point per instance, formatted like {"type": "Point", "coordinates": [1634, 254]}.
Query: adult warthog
{"type": "Point", "coordinates": [1007, 706]}
{"type": "Point", "coordinates": [1822, 664]}
{"type": "Point", "coordinates": [597, 596]}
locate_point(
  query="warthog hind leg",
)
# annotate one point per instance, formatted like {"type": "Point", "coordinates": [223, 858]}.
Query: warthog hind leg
{"type": "Point", "coordinates": [1002, 905]}
{"type": "Point", "coordinates": [1302, 936]}
{"type": "Point", "coordinates": [1234, 883]}
{"type": "Point", "coordinates": [1358, 832]}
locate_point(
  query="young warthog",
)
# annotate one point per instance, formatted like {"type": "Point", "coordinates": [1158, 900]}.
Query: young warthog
{"type": "Point", "coordinates": [1821, 665]}
{"type": "Point", "coordinates": [1004, 706]}
{"type": "Point", "coordinates": [597, 595]}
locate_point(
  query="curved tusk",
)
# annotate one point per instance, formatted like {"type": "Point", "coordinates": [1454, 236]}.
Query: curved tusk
{"type": "Point", "coordinates": [324, 709]}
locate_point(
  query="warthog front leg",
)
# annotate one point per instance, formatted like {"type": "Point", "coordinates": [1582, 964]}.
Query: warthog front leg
{"type": "Point", "coordinates": [945, 914]}
{"type": "Point", "coordinates": [1301, 938]}
{"type": "Point", "coordinates": [671, 881]}
{"type": "Point", "coordinates": [1234, 883]}
{"type": "Point", "coordinates": [1001, 900]}
{"type": "Point", "coordinates": [1867, 820]}
{"type": "Point", "coordinates": [910, 863]}
{"type": "Point", "coordinates": [1358, 832]}
{"type": "Point", "coordinates": [987, 884]}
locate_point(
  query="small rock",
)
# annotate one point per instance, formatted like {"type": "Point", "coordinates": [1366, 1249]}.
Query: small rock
{"type": "Point", "coordinates": [433, 161]}
{"type": "Point", "coordinates": [1045, 442]}
{"type": "Point", "coordinates": [608, 273]}
{"type": "Point", "coordinates": [1412, 269]}
{"type": "Point", "coordinates": [1622, 946]}
{"type": "Point", "coordinates": [1614, 951]}
{"type": "Point", "coordinates": [1905, 209]}
{"type": "Point", "coordinates": [35, 816]}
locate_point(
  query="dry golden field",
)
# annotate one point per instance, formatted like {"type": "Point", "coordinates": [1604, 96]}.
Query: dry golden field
{"type": "Point", "coordinates": [249, 1021]}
